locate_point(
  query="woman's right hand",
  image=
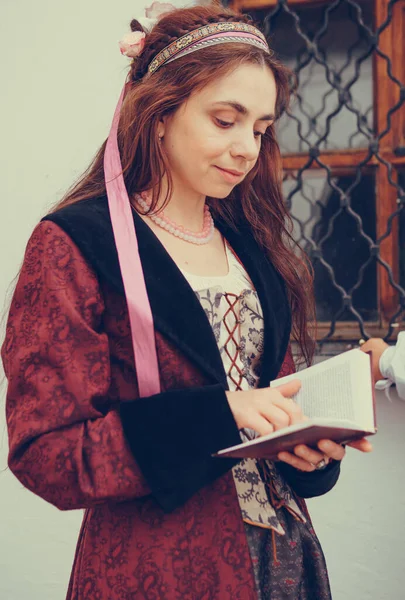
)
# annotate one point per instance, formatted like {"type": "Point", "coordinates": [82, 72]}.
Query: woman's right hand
{"type": "Point", "coordinates": [267, 409]}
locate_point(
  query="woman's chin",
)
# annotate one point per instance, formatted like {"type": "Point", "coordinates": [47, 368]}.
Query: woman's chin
{"type": "Point", "coordinates": [219, 192]}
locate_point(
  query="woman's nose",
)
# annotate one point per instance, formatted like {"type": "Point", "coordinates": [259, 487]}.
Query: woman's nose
{"type": "Point", "coordinates": [245, 146]}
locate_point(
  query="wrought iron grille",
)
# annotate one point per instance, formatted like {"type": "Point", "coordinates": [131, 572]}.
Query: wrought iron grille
{"type": "Point", "coordinates": [343, 146]}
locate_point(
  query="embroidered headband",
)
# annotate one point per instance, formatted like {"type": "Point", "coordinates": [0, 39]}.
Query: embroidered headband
{"type": "Point", "coordinates": [209, 35]}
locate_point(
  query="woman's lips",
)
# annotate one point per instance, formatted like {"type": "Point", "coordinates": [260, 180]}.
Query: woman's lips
{"type": "Point", "coordinates": [231, 176]}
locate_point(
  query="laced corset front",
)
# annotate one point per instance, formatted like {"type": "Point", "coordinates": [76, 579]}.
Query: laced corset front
{"type": "Point", "coordinates": [233, 310]}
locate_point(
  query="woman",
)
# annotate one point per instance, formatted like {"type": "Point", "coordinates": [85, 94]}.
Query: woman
{"type": "Point", "coordinates": [164, 518]}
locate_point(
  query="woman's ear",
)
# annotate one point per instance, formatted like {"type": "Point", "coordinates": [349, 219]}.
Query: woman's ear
{"type": "Point", "coordinates": [161, 128]}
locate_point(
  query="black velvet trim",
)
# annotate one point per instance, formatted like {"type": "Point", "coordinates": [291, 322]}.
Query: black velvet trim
{"type": "Point", "coordinates": [176, 310]}
{"type": "Point", "coordinates": [315, 483]}
{"type": "Point", "coordinates": [172, 436]}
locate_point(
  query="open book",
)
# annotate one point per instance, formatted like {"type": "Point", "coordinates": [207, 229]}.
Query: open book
{"type": "Point", "coordinates": [338, 397]}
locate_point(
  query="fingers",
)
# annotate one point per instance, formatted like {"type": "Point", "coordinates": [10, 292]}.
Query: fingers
{"type": "Point", "coordinates": [332, 449]}
{"type": "Point", "coordinates": [363, 445]}
{"type": "Point", "coordinates": [260, 424]}
{"type": "Point", "coordinates": [279, 410]}
{"type": "Point", "coordinates": [308, 454]}
{"type": "Point", "coordinates": [269, 417]}
{"type": "Point", "coordinates": [275, 415]}
{"type": "Point", "coordinates": [288, 389]}
{"type": "Point", "coordinates": [265, 410]}
{"type": "Point", "coordinates": [281, 399]}
{"type": "Point", "coordinates": [297, 462]}
{"type": "Point", "coordinates": [305, 458]}
{"type": "Point", "coordinates": [289, 407]}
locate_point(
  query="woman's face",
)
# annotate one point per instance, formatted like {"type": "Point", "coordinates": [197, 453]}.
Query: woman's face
{"type": "Point", "coordinates": [213, 140]}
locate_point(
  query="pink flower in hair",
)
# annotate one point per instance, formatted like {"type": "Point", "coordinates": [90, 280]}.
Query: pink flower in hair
{"type": "Point", "coordinates": [132, 44]}
{"type": "Point", "coordinates": [158, 9]}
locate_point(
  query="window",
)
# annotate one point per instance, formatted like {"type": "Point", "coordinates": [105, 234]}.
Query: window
{"type": "Point", "coordinates": [343, 147]}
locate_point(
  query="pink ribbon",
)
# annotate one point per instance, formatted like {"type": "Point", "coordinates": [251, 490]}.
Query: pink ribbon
{"type": "Point", "coordinates": [140, 313]}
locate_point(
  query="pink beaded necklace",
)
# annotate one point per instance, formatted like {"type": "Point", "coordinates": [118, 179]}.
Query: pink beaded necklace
{"type": "Point", "coordinates": [163, 221]}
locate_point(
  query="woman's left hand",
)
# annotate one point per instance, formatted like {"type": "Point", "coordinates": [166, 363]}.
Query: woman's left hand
{"type": "Point", "coordinates": [307, 459]}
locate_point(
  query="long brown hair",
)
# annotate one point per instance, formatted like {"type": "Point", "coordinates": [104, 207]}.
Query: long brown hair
{"type": "Point", "coordinates": [258, 198]}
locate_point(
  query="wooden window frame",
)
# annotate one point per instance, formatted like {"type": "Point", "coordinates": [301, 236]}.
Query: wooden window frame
{"type": "Point", "coordinates": [385, 95]}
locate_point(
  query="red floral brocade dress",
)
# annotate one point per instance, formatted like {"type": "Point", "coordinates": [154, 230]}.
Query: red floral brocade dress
{"type": "Point", "coordinates": [160, 522]}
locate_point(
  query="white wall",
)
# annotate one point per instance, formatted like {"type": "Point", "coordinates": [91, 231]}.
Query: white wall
{"type": "Point", "coordinates": [61, 79]}
{"type": "Point", "coordinates": [361, 522]}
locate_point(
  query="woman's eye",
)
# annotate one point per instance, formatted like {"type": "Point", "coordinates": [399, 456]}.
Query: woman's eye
{"type": "Point", "coordinates": [224, 124]}
{"type": "Point", "coordinates": [260, 133]}
{"type": "Point", "coordinates": [228, 124]}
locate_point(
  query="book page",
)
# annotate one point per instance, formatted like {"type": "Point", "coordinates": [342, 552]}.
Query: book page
{"type": "Point", "coordinates": [333, 385]}
{"type": "Point", "coordinates": [338, 388]}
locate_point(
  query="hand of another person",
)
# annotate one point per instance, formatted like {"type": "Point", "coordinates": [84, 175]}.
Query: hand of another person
{"type": "Point", "coordinates": [377, 347]}
{"type": "Point", "coordinates": [266, 410]}
{"type": "Point", "coordinates": [308, 459]}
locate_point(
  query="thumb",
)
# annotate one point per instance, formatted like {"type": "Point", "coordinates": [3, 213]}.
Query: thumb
{"type": "Point", "coordinates": [289, 389]}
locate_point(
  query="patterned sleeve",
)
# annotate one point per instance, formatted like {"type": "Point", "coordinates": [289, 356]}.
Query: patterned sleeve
{"type": "Point", "coordinates": [70, 443]}
{"type": "Point", "coordinates": [66, 438]}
